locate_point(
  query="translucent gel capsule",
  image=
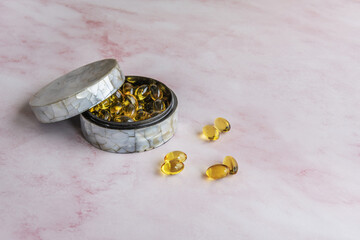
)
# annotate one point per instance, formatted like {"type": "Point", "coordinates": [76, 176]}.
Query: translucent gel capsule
{"type": "Point", "coordinates": [123, 119]}
{"type": "Point", "coordinates": [142, 92]}
{"type": "Point", "coordinates": [119, 95]}
{"type": "Point", "coordinates": [131, 80]}
{"type": "Point", "coordinates": [92, 110]}
{"type": "Point", "coordinates": [222, 124]}
{"type": "Point", "coordinates": [210, 132]}
{"type": "Point", "coordinates": [104, 114]}
{"type": "Point", "coordinates": [172, 167]}
{"type": "Point", "coordinates": [159, 105]}
{"type": "Point", "coordinates": [155, 92]}
{"type": "Point", "coordinates": [104, 104]}
{"type": "Point", "coordinates": [154, 113]}
{"type": "Point", "coordinates": [231, 163]}
{"type": "Point", "coordinates": [130, 99]}
{"type": "Point", "coordinates": [141, 115]}
{"type": "Point", "coordinates": [115, 109]}
{"type": "Point", "coordinates": [127, 88]}
{"type": "Point", "coordinates": [175, 155]}
{"type": "Point", "coordinates": [128, 110]}
{"type": "Point", "coordinates": [217, 171]}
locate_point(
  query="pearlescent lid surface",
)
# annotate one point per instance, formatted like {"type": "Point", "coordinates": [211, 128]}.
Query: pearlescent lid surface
{"type": "Point", "coordinates": [77, 91]}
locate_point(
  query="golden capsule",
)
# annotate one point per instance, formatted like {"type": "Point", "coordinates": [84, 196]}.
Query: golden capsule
{"type": "Point", "coordinates": [130, 99]}
{"type": "Point", "coordinates": [104, 114]}
{"type": "Point", "coordinates": [119, 95]}
{"type": "Point", "coordinates": [123, 119]}
{"type": "Point", "coordinates": [172, 167]}
{"type": "Point", "coordinates": [159, 105]}
{"type": "Point", "coordinates": [128, 110]}
{"type": "Point", "coordinates": [154, 113]}
{"type": "Point", "coordinates": [92, 110]}
{"type": "Point", "coordinates": [178, 155]}
{"type": "Point", "coordinates": [155, 91]}
{"type": "Point", "coordinates": [231, 163]}
{"type": "Point", "coordinates": [142, 92]}
{"type": "Point", "coordinates": [210, 132]}
{"type": "Point", "coordinates": [222, 124]}
{"type": "Point", "coordinates": [104, 104]}
{"type": "Point", "coordinates": [217, 171]}
{"type": "Point", "coordinates": [131, 79]}
{"type": "Point", "coordinates": [115, 109]}
{"type": "Point", "coordinates": [141, 115]}
{"type": "Point", "coordinates": [127, 88]}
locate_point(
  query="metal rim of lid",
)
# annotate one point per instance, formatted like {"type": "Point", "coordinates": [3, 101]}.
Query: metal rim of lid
{"type": "Point", "coordinates": [77, 91]}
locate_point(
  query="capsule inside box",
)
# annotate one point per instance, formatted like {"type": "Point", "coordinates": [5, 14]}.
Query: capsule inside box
{"type": "Point", "coordinates": [103, 125]}
{"type": "Point", "coordinates": [137, 99]}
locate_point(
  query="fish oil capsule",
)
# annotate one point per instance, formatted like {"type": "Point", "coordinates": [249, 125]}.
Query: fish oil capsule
{"type": "Point", "coordinates": [130, 99]}
{"type": "Point", "coordinates": [142, 92]}
{"type": "Point", "coordinates": [128, 110]}
{"type": "Point", "coordinates": [210, 132]}
{"type": "Point", "coordinates": [119, 95]}
{"type": "Point", "coordinates": [104, 114]}
{"type": "Point", "coordinates": [104, 104]}
{"type": "Point", "coordinates": [131, 80]}
{"type": "Point", "coordinates": [178, 155]}
{"type": "Point", "coordinates": [141, 115]}
{"type": "Point", "coordinates": [123, 119]}
{"type": "Point", "coordinates": [154, 113]}
{"type": "Point", "coordinates": [155, 91]}
{"type": "Point", "coordinates": [217, 171]}
{"type": "Point", "coordinates": [116, 108]}
{"type": "Point", "coordinates": [222, 124]}
{"type": "Point", "coordinates": [159, 105]}
{"type": "Point", "coordinates": [172, 167]}
{"type": "Point", "coordinates": [231, 163]}
{"type": "Point", "coordinates": [127, 88]}
{"type": "Point", "coordinates": [92, 110]}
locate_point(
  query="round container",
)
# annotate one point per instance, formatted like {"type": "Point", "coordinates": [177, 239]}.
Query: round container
{"type": "Point", "coordinates": [83, 88]}
{"type": "Point", "coordinates": [130, 137]}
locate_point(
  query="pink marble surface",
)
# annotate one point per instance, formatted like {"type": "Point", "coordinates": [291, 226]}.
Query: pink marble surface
{"type": "Point", "coordinates": [285, 74]}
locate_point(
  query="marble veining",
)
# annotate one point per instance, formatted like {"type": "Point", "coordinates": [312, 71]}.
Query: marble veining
{"type": "Point", "coordinates": [285, 74]}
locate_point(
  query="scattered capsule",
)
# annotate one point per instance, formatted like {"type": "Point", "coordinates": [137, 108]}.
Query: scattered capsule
{"type": "Point", "coordinates": [127, 88]}
{"type": "Point", "coordinates": [141, 115]}
{"type": "Point", "coordinates": [104, 114]}
{"type": "Point", "coordinates": [123, 119]}
{"type": "Point", "coordinates": [142, 92]}
{"type": "Point", "coordinates": [222, 124]}
{"type": "Point", "coordinates": [172, 167]}
{"type": "Point", "coordinates": [116, 108]}
{"type": "Point", "coordinates": [159, 105]}
{"type": "Point", "coordinates": [217, 171]}
{"type": "Point", "coordinates": [178, 155]}
{"type": "Point", "coordinates": [210, 132]}
{"type": "Point", "coordinates": [231, 163]}
{"type": "Point", "coordinates": [128, 110]}
{"type": "Point", "coordinates": [155, 92]}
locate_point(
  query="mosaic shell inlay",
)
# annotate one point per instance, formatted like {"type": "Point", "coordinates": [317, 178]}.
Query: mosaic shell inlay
{"type": "Point", "coordinates": [129, 140]}
{"type": "Point", "coordinates": [77, 91]}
